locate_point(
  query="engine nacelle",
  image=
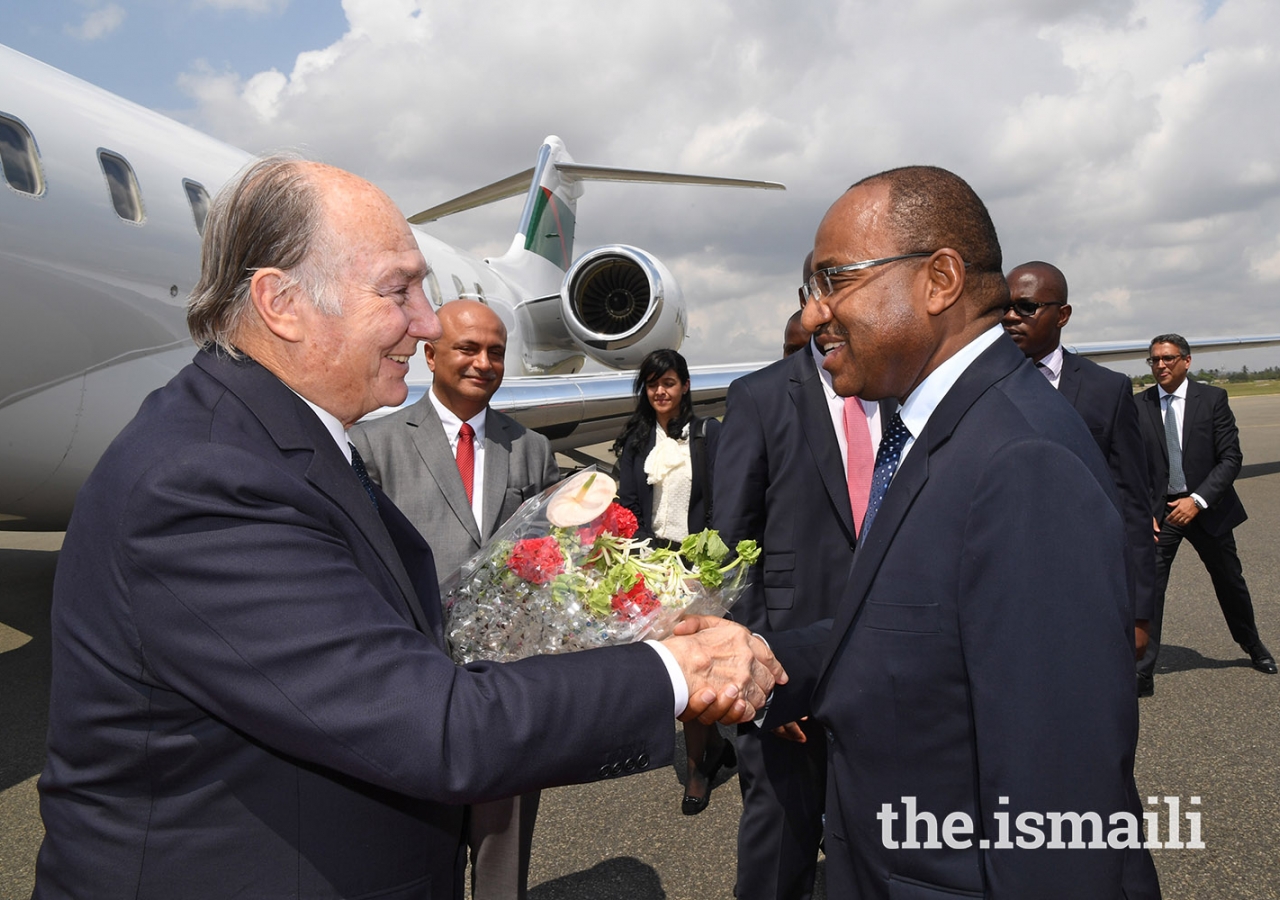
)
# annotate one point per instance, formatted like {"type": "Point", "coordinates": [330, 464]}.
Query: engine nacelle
{"type": "Point", "coordinates": [619, 304]}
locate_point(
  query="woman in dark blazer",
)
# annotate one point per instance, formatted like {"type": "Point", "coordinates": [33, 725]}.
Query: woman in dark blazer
{"type": "Point", "coordinates": [666, 458]}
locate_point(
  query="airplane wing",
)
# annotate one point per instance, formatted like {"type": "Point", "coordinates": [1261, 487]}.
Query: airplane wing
{"type": "Point", "coordinates": [1115, 351]}
{"type": "Point", "coordinates": [591, 407]}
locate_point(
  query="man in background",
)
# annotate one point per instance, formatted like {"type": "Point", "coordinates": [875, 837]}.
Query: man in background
{"type": "Point", "coordinates": [794, 337]}
{"type": "Point", "coordinates": [1194, 449]}
{"type": "Point", "coordinates": [1035, 316]}
{"type": "Point", "coordinates": [458, 469]}
{"type": "Point", "coordinates": [783, 479]}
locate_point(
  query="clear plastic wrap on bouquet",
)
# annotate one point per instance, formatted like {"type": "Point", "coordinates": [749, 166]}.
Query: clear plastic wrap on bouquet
{"type": "Point", "coordinates": [565, 573]}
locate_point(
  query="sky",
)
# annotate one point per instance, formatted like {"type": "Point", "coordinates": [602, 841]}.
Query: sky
{"type": "Point", "coordinates": [1133, 143]}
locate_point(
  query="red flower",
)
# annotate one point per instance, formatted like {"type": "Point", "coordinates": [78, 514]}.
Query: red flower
{"type": "Point", "coordinates": [637, 602]}
{"type": "Point", "coordinates": [616, 520]}
{"type": "Point", "coordinates": [536, 559]}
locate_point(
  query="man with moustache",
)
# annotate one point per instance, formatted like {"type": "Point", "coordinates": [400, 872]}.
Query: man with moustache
{"type": "Point", "coordinates": [1036, 314]}
{"type": "Point", "coordinates": [458, 470]}
{"type": "Point", "coordinates": [978, 671]}
{"type": "Point", "coordinates": [784, 481]}
{"type": "Point", "coordinates": [250, 694]}
{"type": "Point", "coordinates": [1194, 448]}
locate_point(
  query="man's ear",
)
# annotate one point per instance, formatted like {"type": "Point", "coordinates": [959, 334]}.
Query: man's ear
{"type": "Point", "coordinates": [1064, 314]}
{"type": "Point", "coordinates": [278, 303]}
{"type": "Point", "coordinates": [945, 272]}
{"type": "Point", "coordinates": [429, 351]}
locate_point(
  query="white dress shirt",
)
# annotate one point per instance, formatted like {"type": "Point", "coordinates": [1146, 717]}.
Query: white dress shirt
{"type": "Point", "coordinates": [1176, 403]}
{"type": "Point", "coordinates": [1053, 365]}
{"type": "Point", "coordinates": [921, 403]}
{"type": "Point", "coordinates": [452, 428]}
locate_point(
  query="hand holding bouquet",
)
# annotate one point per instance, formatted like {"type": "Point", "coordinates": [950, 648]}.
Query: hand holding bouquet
{"type": "Point", "coordinates": [565, 573]}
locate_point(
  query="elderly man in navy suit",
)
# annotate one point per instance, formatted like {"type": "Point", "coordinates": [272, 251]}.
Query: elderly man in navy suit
{"type": "Point", "coordinates": [1194, 448]}
{"type": "Point", "coordinates": [250, 695]}
{"type": "Point", "coordinates": [1037, 312]}
{"type": "Point", "coordinates": [976, 683]}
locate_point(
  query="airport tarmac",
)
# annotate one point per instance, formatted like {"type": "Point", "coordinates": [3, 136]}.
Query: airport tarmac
{"type": "Point", "coordinates": [1211, 731]}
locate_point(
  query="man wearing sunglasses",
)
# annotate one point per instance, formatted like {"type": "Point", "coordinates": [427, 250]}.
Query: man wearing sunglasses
{"type": "Point", "coordinates": [1034, 317]}
{"type": "Point", "coordinates": [979, 667]}
{"type": "Point", "coordinates": [1194, 448]}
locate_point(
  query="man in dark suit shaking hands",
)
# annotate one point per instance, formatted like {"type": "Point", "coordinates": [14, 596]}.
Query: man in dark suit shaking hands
{"type": "Point", "coordinates": [1194, 449]}
{"type": "Point", "coordinates": [250, 694]}
{"type": "Point", "coordinates": [978, 671]}
{"type": "Point", "coordinates": [1037, 312]}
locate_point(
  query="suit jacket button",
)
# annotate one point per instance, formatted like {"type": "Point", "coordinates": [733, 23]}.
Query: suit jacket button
{"type": "Point", "coordinates": [606, 771]}
{"type": "Point", "coordinates": [642, 760]}
{"type": "Point", "coordinates": [630, 764]}
{"type": "Point", "coordinates": [616, 769]}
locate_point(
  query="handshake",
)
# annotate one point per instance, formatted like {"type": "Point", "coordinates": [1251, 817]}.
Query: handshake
{"type": "Point", "coordinates": [730, 672]}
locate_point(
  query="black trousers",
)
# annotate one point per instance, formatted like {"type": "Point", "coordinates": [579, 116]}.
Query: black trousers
{"type": "Point", "coordinates": [783, 795]}
{"type": "Point", "coordinates": [1218, 553]}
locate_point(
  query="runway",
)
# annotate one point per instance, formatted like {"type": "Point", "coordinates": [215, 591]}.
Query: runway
{"type": "Point", "coordinates": [1211, 731]}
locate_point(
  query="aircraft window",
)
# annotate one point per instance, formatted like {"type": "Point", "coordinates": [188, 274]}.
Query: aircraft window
{"type": "Point", "coordinates": [458, 286]}
{"type": "Point", "coordinates": [18, 157]}
{"type": "Point", "coordinates": [480, 293]}
{"type": "Point", "coordinates": [433, 289]}
{"type": "Point", "coordinates": [126, 196]}
{"type": "Point", "coordinates": [198, 197]}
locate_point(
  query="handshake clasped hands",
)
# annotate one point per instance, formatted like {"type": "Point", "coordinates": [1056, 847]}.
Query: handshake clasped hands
{"type": "Point", "coordinates": [730, 672]}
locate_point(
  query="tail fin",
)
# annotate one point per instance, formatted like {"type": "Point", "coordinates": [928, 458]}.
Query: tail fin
{"type": "Point", "coordinates": [552, 188]}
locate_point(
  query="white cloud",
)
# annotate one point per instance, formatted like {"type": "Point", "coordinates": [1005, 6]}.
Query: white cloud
{"type": "Point", "coordinates": [97, 23]}
{"type": "Point", "coordinates": [1128, 141]}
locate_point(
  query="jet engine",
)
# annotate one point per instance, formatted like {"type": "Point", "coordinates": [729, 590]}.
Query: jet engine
{"type": "Point", "coordinates": [619, 304]}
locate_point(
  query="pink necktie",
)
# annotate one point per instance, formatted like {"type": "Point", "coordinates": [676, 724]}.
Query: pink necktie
{"type": "Point", "coordinates": [467, 457]}
{"type": "Point", "coordinates": [859, 460]}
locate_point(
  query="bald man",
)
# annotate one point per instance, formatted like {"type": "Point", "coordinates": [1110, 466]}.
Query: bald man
{"type": "Point", "coordinates": [413, 455]}
{"type": "Point", "coordinates": [1034, 318]}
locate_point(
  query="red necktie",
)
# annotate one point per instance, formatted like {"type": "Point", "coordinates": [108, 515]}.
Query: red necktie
{"type": "Point", "coordinates": [467, 457]}
{"type": "Point", "coordinates": [859, 460]}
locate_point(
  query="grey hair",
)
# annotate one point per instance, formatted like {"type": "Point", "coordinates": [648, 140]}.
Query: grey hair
{"type": "Point", "coordinates": [1176, 339]}
{"type": "Point", "coordinates": [270, 215]}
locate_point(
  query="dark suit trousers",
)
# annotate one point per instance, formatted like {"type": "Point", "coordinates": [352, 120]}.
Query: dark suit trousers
{"type": "Point", "coordinates": [783, 793]}
{"type": "Point", "coordinates": [1223, 564]}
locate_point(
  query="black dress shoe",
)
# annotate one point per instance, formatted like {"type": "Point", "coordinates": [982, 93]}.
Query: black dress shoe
{"type": "Point", "coordinates": [1146, 685]}
{"type": "Point", "coordinates": [1263, 661]}
{"type": "Point", "coordinates": [691, 805]}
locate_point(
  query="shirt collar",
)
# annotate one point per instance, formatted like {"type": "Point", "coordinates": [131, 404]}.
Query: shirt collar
{"type": "Point", "coordinates": [452, 424]}
{"type": "Point", "coordinates": [921, 403]}
{"type": "Point", "coordinates": [331, 425]}
{"type": "Point", "coordinates": [1053, 362]}
{"type": "Point", "coordinates": [1180, 392]}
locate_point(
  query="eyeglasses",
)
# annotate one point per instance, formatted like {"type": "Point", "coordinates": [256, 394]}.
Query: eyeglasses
{"type": "Point", "coordinates": [819, 283]}
{"type": "Point", "coordinates": [1167, 360]}
{"type": "Point", "coordinates": [1027, 309]}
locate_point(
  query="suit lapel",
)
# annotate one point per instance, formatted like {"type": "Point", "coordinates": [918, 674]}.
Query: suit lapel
{"type": "Point", "coordinates": [437, 456]}
{"type": "Point", "coordinates": [1151, 405]}
{"type": "Point", "coordinates": [293, 426]}
{"type": "Point", "coordinates": [1192, 409]}
{"type": "Point", "coordinates": [497, 466]}
{"type": "Point", "coordinates": [811, 401]}
{"type": "Point", "coordinates": [1069, 381]}
{"type": "Point", "coordinates": [996, 362]}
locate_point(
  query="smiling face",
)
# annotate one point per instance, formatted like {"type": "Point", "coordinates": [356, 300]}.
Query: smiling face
{"type": "Point", "coordinates": [664, 394]}
{"type": "Point", "coordinates": [468, 358]}
{"type": "Point", "coordinates": [356, 362]}
{"type": "Point", "coordinates": [877, 334]}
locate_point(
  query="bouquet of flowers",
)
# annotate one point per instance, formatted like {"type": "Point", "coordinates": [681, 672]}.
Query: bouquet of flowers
{"type": "Point", "coordinates": [565, 573]}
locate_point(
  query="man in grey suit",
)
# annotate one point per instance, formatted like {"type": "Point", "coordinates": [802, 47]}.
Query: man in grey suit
{"type": "Point", "coordinates": [418, 455]}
